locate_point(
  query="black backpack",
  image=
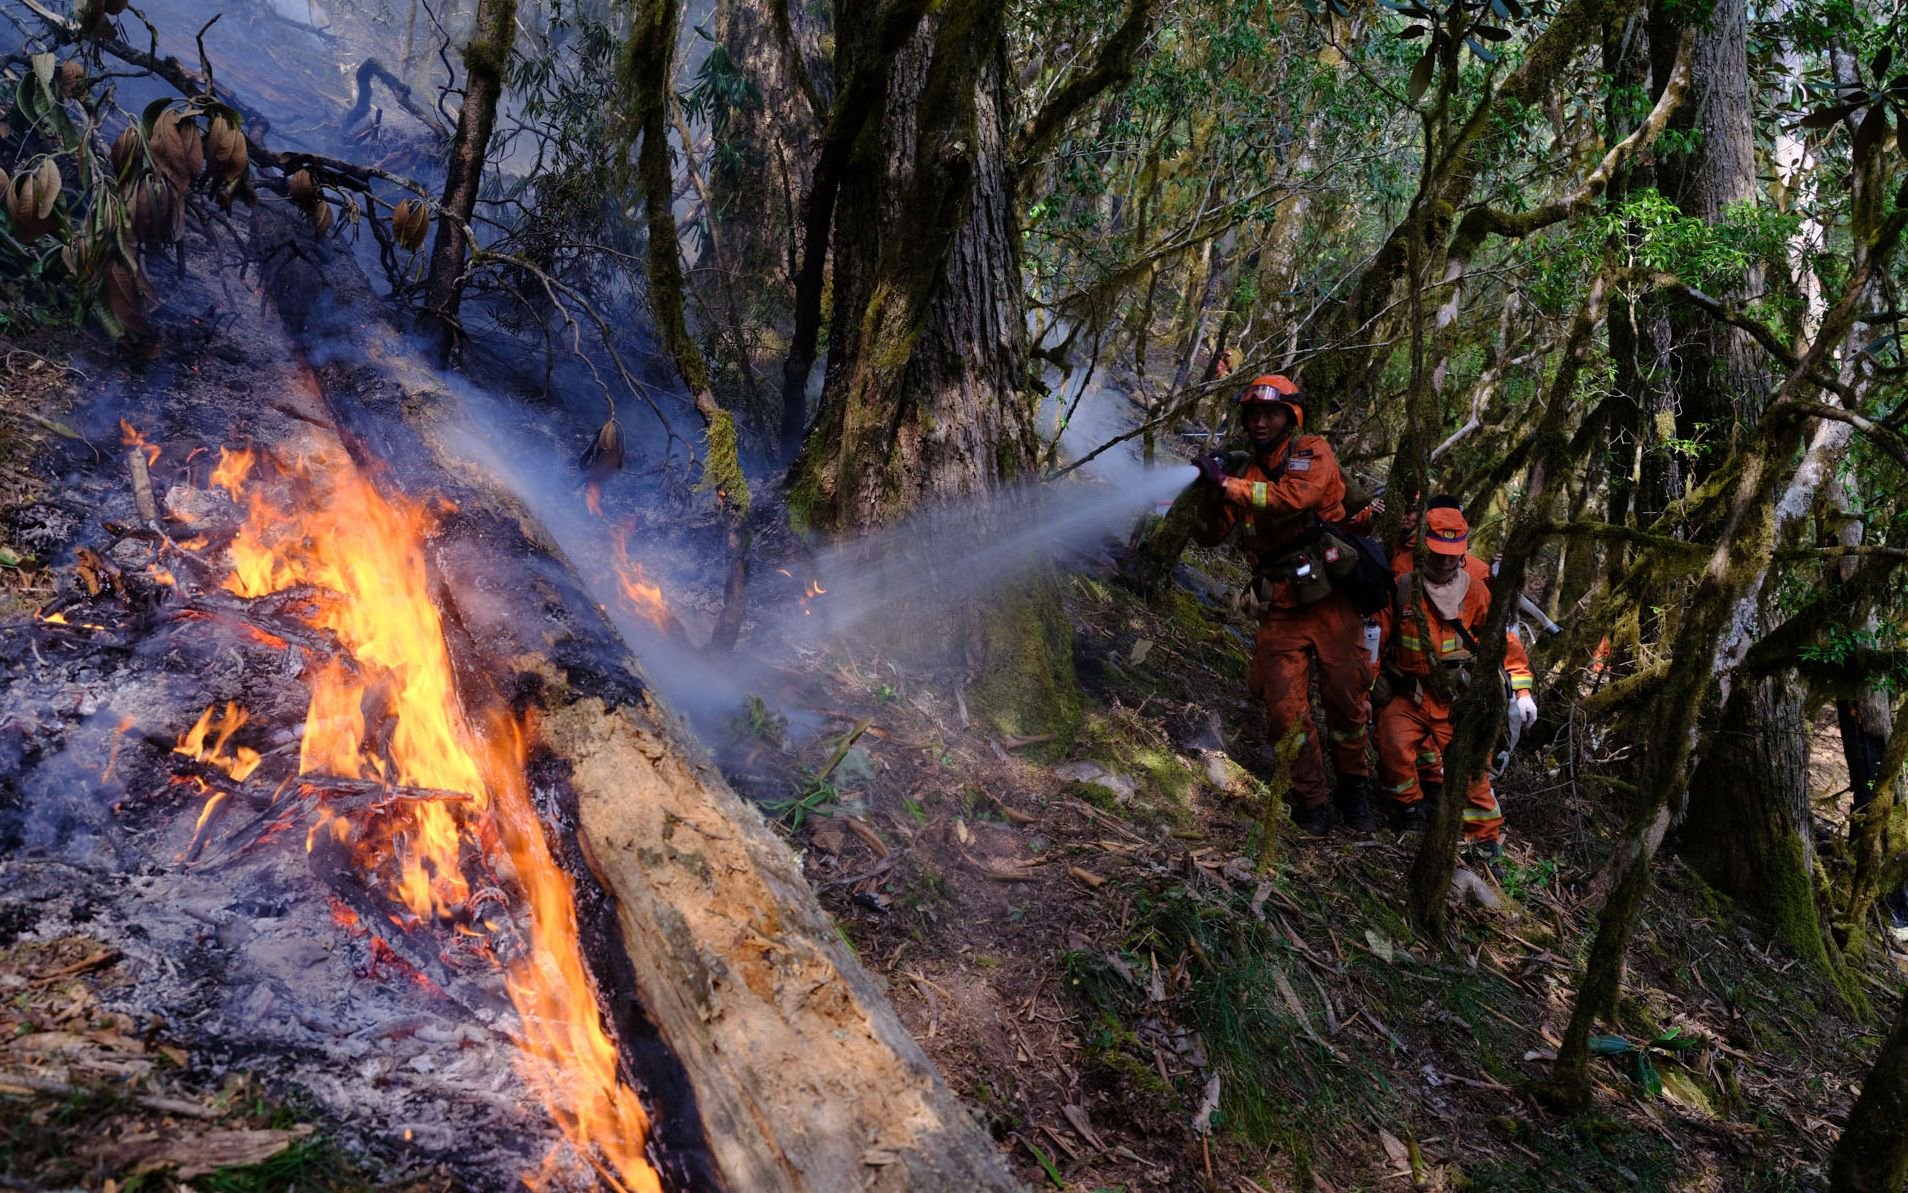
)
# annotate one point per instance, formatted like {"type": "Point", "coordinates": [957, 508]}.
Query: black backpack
{"type": "Point", "coordinates": [1369, 586]}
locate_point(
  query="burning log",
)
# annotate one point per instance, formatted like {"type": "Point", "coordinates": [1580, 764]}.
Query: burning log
{"type": "Point", "coordinates": [714, 961]}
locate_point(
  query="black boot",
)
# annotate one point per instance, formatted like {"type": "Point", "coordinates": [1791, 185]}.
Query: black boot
{"type": "Point", "coordinates": [1491, 855]}
{"type": "Point", "coordinates": [1313, 822]}
{"type": "Point", "coordinates": [1354, 804]}
{"type": "Point", "coordinates": [1417, 818]}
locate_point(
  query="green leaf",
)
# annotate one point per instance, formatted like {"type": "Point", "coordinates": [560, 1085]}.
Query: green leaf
{"type": "Point", "coordinates": [1873, 128]}
{"type": "Point", "coordinates": [1420, 77]}
{"type": "Point", "coordinates": [1609, 1045]}
{"type": "Point", "coordinates": [1646, 1076]}
{"type": "Point", "coordinates": [1046, 1165]}
{"type": "Point", "coordinates": [10, 558]}
{"type": "Point", "coordinates": [58, 428]}
{"type": "Point", "coordinates": [1411, 31]}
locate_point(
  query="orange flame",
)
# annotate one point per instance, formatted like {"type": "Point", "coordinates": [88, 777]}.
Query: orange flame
{"type": "Point", "coordinates": [644, 597]}
{"type": "Point", "coordinates": [809, 593]}
{"type": "Point", "coordinates": [130, 436]}
{"type": "Point", "coordinates": [394, 715]}
{"type": "Point", "coordinates": [112, 754]}
{"type": "Point", "coordinates": [243, 761]}
{"type": "Point", "coordinates": [233, 468]}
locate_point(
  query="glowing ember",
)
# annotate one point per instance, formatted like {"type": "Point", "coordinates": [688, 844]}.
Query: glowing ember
{"type": "Point", "coordinates": [810, 591]}
{"type": "Point", "coordinates": [394, 716]}
{"type": "Point", "coordinates": [644, 597]}
{"type": "Point", "coordinates": [813, 590]}
{"type": "Point", "coordinates": [112, 754]}
{"type": "Point", "coordinates": [130, 436]}
{"type": "Point", "coordinates": [233, 468]}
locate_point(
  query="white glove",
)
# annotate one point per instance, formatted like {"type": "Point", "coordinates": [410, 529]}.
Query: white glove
{"type": "Point", "coordinates": [1525, 709]}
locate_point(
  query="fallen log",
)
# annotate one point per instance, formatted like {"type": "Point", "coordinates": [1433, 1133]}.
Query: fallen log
{"type": "Point", "coordinates": [802, 1076]}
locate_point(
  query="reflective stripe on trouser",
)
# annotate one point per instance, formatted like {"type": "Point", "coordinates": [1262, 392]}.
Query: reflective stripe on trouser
{"type": "Point", "coordinates": [1412, 739]}
{"type": "Point", "coordinates": [1325, 637]}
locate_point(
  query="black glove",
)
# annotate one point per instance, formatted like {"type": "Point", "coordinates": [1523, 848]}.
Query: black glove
{"type": "Point", "coordinates": [1212, 470]}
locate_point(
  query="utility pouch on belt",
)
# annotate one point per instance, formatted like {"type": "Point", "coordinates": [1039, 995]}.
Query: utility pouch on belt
{"type": "Point", "coordinates": [1340, 557]}
{"type": "Point", "coordinates": [1381, 688]}
{"type": "Point", "coordinates": [1448, 680]}
{"type": "Point", "coordinates": [1305, 570]}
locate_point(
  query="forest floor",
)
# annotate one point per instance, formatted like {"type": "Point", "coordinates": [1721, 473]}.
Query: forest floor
{"type": "Point", "coordinates": [1131, 982]}
{"type": "Point", "coordinates": [1085, 944]}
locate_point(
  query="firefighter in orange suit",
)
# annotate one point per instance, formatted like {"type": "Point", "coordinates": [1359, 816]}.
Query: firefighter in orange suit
{"type": "Point", "coordinates": [1430, 647]}
{"type": "Point", "coordinates": [1276, 501]}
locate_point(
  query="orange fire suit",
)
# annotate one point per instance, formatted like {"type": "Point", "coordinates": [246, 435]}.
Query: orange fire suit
{"type": "Point", "coordinates": [1269, 503]}
{"type": "Point", "coordinates": [1414, 727]}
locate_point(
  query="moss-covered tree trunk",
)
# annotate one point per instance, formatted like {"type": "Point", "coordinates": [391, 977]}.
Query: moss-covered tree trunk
{"type": "Point", "coordinates": [1157, 544]}
{"type": "Point", "coordinates": [1748, 827]}
{"type": "Point", "coordinates": [485, 58]}
{"type": "Point", "coordinates": [925, 398]}
{"type": "Point", "coordinates": [1878, 828]}
{"type": "Point", "coordinates": [926, 401]}
{"type": "Point", "coordinates": [646, 69]}
{"type": "Point", "coordinates": [1764, 485]}
{"type": "Point", "coordinates": [760, 179]}
{"type": "Point", "coordinates": [1872, 1155]}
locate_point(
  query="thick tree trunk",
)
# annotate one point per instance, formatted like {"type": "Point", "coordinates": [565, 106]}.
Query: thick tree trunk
{"type": "Point", "coordinates": [1748, 823]}
{"type": "Point", "coordinates": [1716, 372]}
{"type": "Point", "coordinates": [1872, 1155]}
{"type": "Point", "coordinates": [926, 401]}
{"type": "Point", "coordinates": [1748, 827]}
{"type": "Point", "coordinates": [867, 40]}
{"type": "Point", "coordinates": [925, 397]}
{"type": "Point", "coordinates": [484, 61]}
{"type": "Point", "coordinates": [760, 179]}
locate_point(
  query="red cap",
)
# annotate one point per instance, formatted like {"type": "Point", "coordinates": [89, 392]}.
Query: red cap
{"type": "Point", "coordinates": [1446, 532]}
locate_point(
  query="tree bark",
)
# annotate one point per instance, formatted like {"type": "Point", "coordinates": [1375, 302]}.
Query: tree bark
{"type": "Point", "coordinates": [485, 58]}
{"type": "Point", "coordinates": [1872, 1154]}
{"type": "Point", "coordinates": [868, 36]}
{"type": "Point", "coordinates": [926, 393]}
{"type": "Point", "coordinates": [1748, 830]}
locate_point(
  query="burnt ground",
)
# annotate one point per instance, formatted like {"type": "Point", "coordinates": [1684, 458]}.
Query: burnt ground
{"type": "Point", "coordinates": [1081, 938]}
{"type": "Point", "coordinates": [237, 986]}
